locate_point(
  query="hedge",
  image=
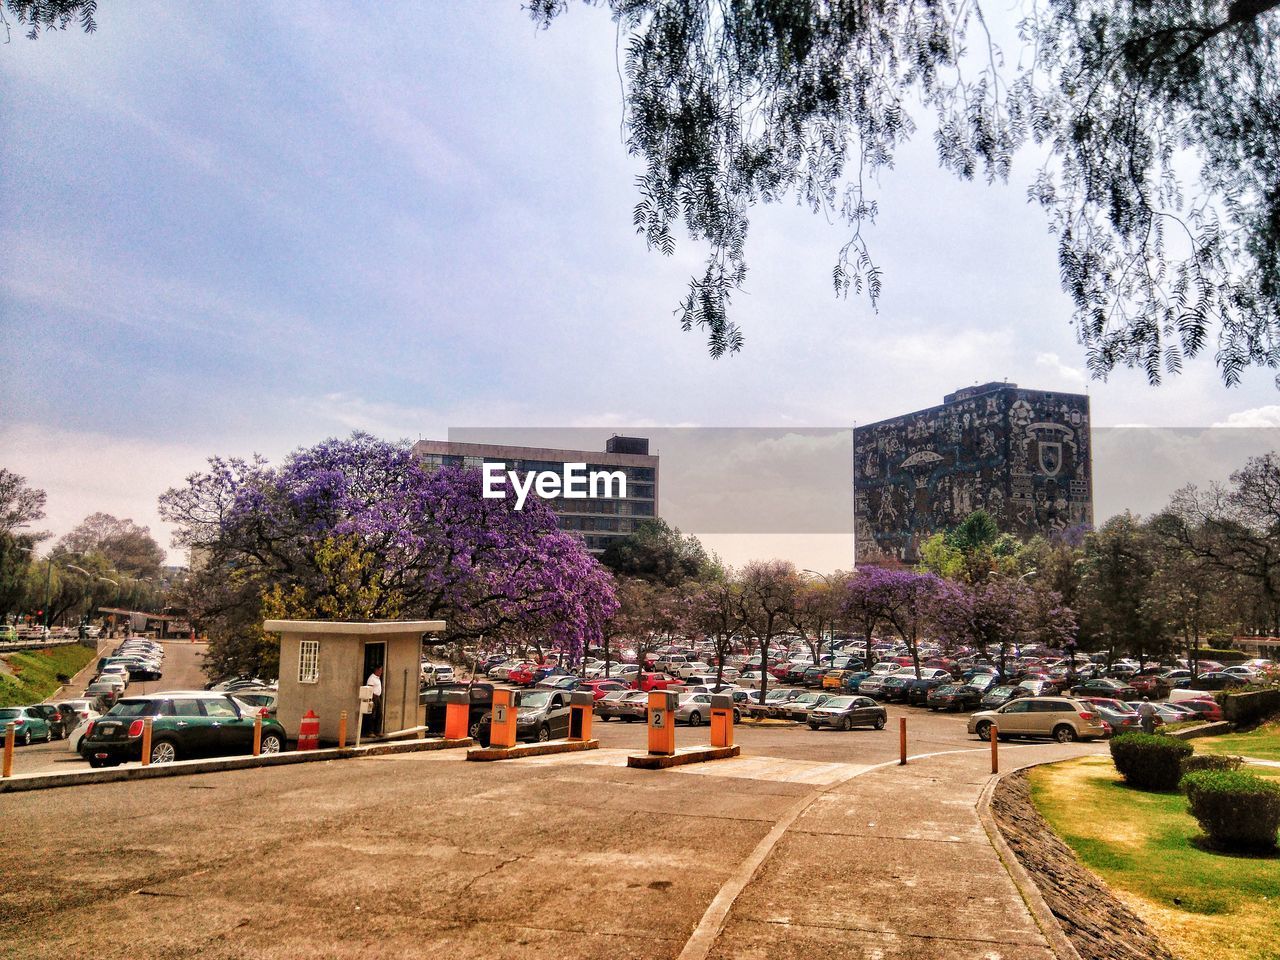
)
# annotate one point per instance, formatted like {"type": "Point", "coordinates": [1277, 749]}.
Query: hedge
{"type": "Point", "coordinates": [1209, 761]}
{"type": "Point", "coordinates": [1149, 761]}
{"type": "Point", "coordinates": [1237, 811]}
{"type": "Point", "coordinates": [1244, 708]}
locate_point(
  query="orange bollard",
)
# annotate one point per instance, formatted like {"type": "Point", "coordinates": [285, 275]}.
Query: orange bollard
{"type": "Point", "coordinates": [457, 715]}
{"type": "Point", "coordinates": [10, 734]}
{"type": "Point", "coordinates": [581, 703]}
{"type": "Point", "coordinates": [995, 749]}
{"type": "Point", "coordinates": [902, 741]}
{"type": "Point", "coordinates": [146, 741]}
{"type": "Point", "coordinates": [502, 724]}
{"type": "Point", "coordinates": [662, 722]}
{"type": "Point", "coordinates": [257, 735]}
{"type": "Point", "coordinates": [342, 729]}
{"type": "Point", "coordinates": [721, 720]}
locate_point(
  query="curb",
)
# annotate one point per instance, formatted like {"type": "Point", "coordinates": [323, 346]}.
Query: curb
{"type": "Point", "coordinates": [484, 754]}
{"type": "Point", "coordinates": [49, 781]}
{"type": "Point", "coordinates": [1203, 730]}
{"type": "Point", "coordinates": [1057, 938]}
{"type": "Point", "coordinates": [685, 755]}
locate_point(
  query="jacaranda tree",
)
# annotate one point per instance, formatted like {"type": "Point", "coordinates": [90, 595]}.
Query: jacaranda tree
{"type": "Point", "coordinates": [360, 529]}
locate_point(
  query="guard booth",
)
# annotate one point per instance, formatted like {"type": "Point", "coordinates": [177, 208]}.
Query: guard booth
{"type": "Point", "coordinates": [324, 663]}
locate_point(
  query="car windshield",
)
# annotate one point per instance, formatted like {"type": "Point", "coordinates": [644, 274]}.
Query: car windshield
{"type": "Point", "coordinates": [838, 703]}
{"type": "Point", "coordinates": [806, 698]}
{"type": "Point", "coordinates": [947, 688]}
{"type": "Point", "coordinates": [777, 695]}
{"type": "Point", "coordinates": [1002, 691]}
{"type": "Point", "coordinates": [532, 699]}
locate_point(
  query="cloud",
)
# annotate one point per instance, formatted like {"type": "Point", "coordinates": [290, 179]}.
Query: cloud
{"type": "Point", "coordinates": [1256, 417]}
{"type": "Point", "coordinates": [1053, 363]}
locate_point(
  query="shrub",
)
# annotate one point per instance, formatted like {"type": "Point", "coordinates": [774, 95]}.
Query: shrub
{"type": "Point", "coordinates": [1206, 761]}
{"type": "Point", "coordinates": [1149, 761]}
{"type": "Point", "coordinates": [1236, 810]}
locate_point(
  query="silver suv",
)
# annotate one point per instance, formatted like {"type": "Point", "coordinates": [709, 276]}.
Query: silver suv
{"type": "Point", "coordinates": [1063, 718]}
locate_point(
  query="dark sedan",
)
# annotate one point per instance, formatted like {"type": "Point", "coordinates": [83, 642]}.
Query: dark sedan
{"type": "Point", "coordinates": [54, 716]}
{"type": "Point", "coordinates": [845, 713]}
{"type": "Point", "coordinates": [896, 689]}
{"type": "Point", "coordinates": [954, 696]}
{"type": "Point", "coordinates": [1104, 687]}
{"type": "Point", "coordinates": [918, 690]}
{"type": "Point", "coordinates": [813, 676]}
{"type": "Point", "coordinates": [1001, 695]}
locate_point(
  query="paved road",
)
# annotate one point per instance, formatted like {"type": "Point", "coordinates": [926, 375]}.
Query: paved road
{"type": "Point", "coordinates": [183, 663]}
{"type": "Point", "coordinates": [571, 856]}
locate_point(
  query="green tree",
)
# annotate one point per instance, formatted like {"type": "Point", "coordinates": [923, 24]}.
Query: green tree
{"type": "Point", "coordinates": [1115, 601]}
{"type": "Point", "coordinates": [21, 505]}
{"type": "Point", "coordinates": [730, 104]}
{"type": "Point", "coordinates": [660, 554]}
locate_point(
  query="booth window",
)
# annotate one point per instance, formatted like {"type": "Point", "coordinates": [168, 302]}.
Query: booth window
{"type": "Point", "coordinates": [309, 661]}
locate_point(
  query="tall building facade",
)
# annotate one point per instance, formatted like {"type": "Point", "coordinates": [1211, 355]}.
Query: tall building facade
{"type": "Point", "coordinates": [596, 520]}
{"type": "Point", "coordinates": [1023, 456]}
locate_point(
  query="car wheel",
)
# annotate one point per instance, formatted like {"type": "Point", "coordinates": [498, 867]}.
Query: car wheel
{"type": "Point", "coordinates": [473, 731]}
{"type": "Point", "coordinates": [813, 726]}
{"type": "Point", "coordinates": [846, 724]}
{"type": "Point", "coordinates": [26, 738]}
{"type": "Point", "coordinates": [737, 716]}
{"type": "Point", "coordinates": [880, 722]}
{"type": "Point", "coordinates": [1064, 733]}
{"type": "Point", "coordinates": [544, 733]}
{"type": "Point", "coordinates": [983, 730]}
{"type": "Point", "coordinates": [272, 743]}
{"type": "Point", "coordinates": [48, 735]}
{"type": "Point", "coordinates": [163, 751]}
{"type": "Point", "coordinates": [695, 719]}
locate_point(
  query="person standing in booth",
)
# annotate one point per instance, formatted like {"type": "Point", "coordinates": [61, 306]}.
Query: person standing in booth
{"type": "Point", "coordinates": [373, 721]}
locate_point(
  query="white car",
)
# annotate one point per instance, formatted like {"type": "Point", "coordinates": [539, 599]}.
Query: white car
{"type": "Point", "coordinates": [118, 679]}
{"type": "Point", "coordinates": [749, 678]}
{"type": "Point", "coordinates": [436, 673]}
{"type": "Point", "coordinates": [693, 668]}
{"type": "Point", "coordinates": [77, 734]}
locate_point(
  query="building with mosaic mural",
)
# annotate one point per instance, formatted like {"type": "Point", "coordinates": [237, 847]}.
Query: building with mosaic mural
{"type": "Point", "coordinates": [1021, 455]}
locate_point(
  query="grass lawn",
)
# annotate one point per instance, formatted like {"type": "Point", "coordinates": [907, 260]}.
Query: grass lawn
{"type": "Point", "coordinates": [1262, 744]}
{"type": "Point", "coordinates": [34, 674]}
{"type": "Point", "coordinates": [1202, 904]}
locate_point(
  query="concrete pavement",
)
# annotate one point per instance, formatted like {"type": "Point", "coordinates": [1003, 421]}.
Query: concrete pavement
{"type": "Point", "coordinates": [566, 856]}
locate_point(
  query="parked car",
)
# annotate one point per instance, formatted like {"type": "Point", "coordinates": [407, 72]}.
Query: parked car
{"type": "Point", "coordinates": [918, 690]}
{"type": "Point", "coordinates": [79, 728]}
{"type": "Point", "coordinates": [28, 724]}
{"type": "Point", "coordinates": [1039, 686]}
{"type": "Point", "coordinates": [1104, 687]}
{"type": "Point", "coordinates": [695, 710]}
{"type": "Point", "coordinates": [1062, 718]}
{"type": "Point", "coordinates": [895, 688]}
{"type": "Point", "coordinates": [659, 681]}
{"type": "Point", "coordinates": [798, 709]}
{"type": "Point", "coordinates": [600, 687]}
{"type": "Point", "coordinates": [814, 676]}
{"type": "Point", "coordinates": [8, 633]}
{"type": "Point", "coordinates": [954, 696]}
{"type": "Point", "coordinates": [845, 713]}
{"type": "Point", "coordinates": [1206, 709]}
{"type": "Point", "coordinates": [108, 693]}
{"type": "Point", "coordinates": [873, 686]}
{"type": "Point", "coordinates": [1150, 684]}
{"type": "Point", "coordinates": [631, 706]}
{"type": "Point", "coordinates": [185, 724]}
{"type": "Point", "coordinates": [1120, 721]}
{"type": "Point", "coordinates": [1217, 681]}
{"type": "Point", "coordinates": [259, 700]}
{"type": "Point", "coordinates": [53, 716]}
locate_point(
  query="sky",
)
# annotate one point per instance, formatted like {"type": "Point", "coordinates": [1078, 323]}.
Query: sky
{"type": "Point", "coordinates": [245, 228]}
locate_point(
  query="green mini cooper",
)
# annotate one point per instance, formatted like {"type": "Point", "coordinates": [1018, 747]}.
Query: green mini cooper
{"type": "Point", "coordinates": [185, 724]}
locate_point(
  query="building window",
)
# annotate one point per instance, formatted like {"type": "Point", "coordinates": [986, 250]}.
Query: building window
{"type": "Point", "coordinates": [309, 661]}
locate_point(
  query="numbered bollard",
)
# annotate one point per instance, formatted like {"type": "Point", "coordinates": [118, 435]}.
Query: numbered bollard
{"type": "Point", "coordinates": [502, 723]}
{"type": "Point", "coordinates": [10, 735]}
{"type": "Point", "coordinates": [581, 703]}
{"type": "Point", "coordinates": [457, 715]}
{"type": "Point", "coordinates": [902, 741]}
{"type": "Point", "coordinates": [342, 729]}
{"type": "Point", "coordinates": [721, 720]}
{"type": "Point", "coordinates": [257, 735]}
{"type": "Point", "coordinates": [662, 722]}
{"type": "Point", "coordinates": [995, 749]}
{"type": "Point", "coordinates": [146, 741]}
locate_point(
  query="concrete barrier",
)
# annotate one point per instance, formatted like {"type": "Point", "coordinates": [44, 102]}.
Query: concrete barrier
{"type": "Point", "coordinates": [179, 768]}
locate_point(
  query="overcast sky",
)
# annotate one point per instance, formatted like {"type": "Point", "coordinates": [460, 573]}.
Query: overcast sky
{"type": "Point", "coordinates": [243, 228]}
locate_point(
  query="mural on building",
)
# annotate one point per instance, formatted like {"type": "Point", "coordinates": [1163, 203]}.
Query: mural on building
{"type": "Point", "coordinates": [1021, 455]}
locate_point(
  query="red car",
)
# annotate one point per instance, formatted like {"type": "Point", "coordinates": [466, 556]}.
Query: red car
{"type": "Point", "coordinates": [600, 687]}
{"type": "Point", "coordinates": [522, 676]}
{"type": "Point", "coordinates": [1150, 684]}
{"type": "Point", "coordinates": [659, 681]}
{"type": "Point", "coordinates": [1207, 709]}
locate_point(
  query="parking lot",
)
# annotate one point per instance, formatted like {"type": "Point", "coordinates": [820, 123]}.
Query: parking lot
{"type": "Point", "coordinates": [566, 856]}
